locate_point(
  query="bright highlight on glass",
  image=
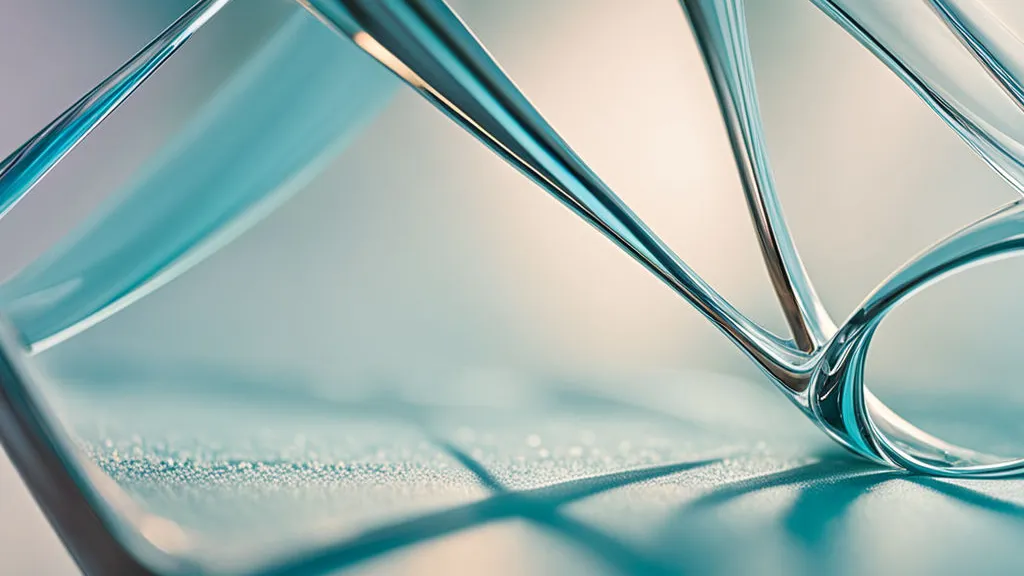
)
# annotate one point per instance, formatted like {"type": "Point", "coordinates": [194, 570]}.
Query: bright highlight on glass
{"type": "Point", "coordinates": [963, 57]}
{"type": "Point", "coordinates": [821, 369]}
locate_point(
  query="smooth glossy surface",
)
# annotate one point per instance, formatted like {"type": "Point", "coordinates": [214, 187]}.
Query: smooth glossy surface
{"type": "Point", "coordinates": [426, 45]}
{"type": "Point", "coordinates": [23, 168]}
{"type": "Point", "coordinates": [167, 221]}
{"type": "Point", "coordinates": [963, 57]}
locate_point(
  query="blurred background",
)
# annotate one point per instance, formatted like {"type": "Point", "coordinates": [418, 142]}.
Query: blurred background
{"type": "Point", "coordinates": [416, 261]}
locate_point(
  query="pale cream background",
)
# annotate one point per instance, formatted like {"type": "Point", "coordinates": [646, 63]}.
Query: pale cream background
{"type": "Point", "coordinates": [857, 156]}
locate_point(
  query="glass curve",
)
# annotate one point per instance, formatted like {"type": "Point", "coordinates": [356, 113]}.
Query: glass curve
{"type": "Point", "coordinates": [426, 45]}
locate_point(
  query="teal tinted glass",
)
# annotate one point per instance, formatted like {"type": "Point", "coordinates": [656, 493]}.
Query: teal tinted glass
{"type": "Point", "coordinates": [267, 375]}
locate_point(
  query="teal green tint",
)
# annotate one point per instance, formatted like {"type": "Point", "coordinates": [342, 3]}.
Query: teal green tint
{"type": "Point", "coordinates": [20, 171]}
{"type": "Point", "coordinates": [260, 139]}
{"type": "Point", "coordinates": [269, 130]}
{"type": "Point", "coordinates": [216, 451]}
{"type": "Point", "coordinates": [821, 369]}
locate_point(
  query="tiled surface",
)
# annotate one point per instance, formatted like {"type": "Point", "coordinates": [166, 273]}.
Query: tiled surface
{"type": "Point", "coordinates": [580, 483]}
{"type": "Point", "coordinates": [608, 474]}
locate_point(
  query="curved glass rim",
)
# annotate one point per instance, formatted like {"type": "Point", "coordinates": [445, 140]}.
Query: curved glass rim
{"type": "Point", "coordinates": [423, 42]}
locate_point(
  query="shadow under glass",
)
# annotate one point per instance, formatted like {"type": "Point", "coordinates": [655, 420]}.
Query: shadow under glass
{"type": "Point", "coordinates": [394, 350]}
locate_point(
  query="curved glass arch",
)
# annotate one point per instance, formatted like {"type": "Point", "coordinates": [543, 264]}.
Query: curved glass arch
{"type": "Point", "coordinates": [425, 44]}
